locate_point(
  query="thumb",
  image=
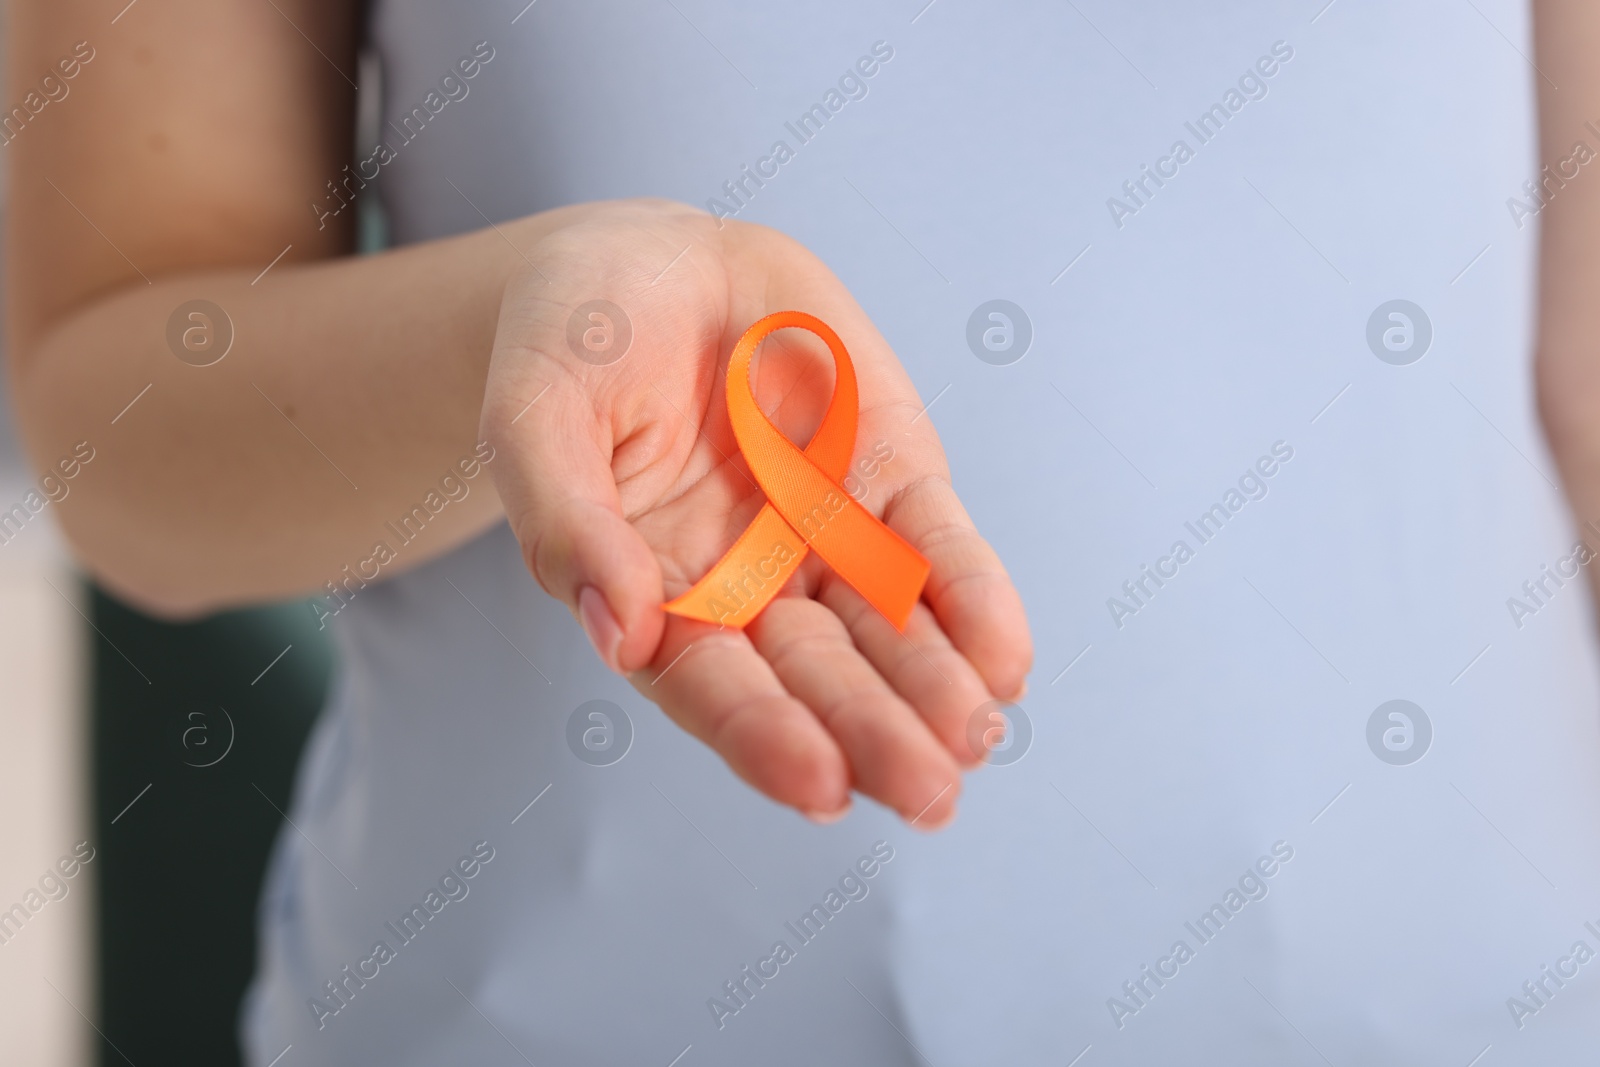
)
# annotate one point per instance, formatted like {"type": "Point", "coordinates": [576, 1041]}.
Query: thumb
{"type": "Point", "coordinates": [561, 499]}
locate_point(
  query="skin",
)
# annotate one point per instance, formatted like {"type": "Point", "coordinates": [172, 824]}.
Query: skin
{"type": "Point", "coordinates": [1566, 33]}
{"type": "Point", "coordinates": [183, 162]}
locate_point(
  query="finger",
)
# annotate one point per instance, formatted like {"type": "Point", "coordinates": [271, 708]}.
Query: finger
{"type": "Point", "coordinates": [554, 476]}
{"type": "Point", "coordinates": [921, 665]}
{"type": "Point", "coordinates": [719, 689]}
{"type": "Point", "coordinates": [894, 757]}
{"type": "Point", "coordinates": [969, 591]}
{"type": "Point", "coordinates": [968, 588]}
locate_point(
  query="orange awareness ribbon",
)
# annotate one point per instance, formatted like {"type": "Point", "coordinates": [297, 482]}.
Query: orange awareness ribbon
{"type": "Point", "coordinates": [806, 508]}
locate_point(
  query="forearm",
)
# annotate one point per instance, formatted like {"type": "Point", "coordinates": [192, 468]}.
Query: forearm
{"type": "Point", "coordinates": [352, 387]}
{"type": "Point", "coordinates": [1567, 35]}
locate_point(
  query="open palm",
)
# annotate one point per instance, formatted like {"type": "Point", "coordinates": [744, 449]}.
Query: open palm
{"type": "Point", "coordinates": [623, 483]}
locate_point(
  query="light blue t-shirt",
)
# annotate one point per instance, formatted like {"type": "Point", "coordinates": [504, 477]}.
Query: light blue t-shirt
{"type": "Point", "coordinates": [1223, 314]}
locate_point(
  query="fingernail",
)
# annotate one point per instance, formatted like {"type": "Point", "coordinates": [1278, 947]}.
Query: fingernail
{"type": "Point", "coordinates": [930, 825]}
{"type": "Point", "coordinates": [604, 631]}
{"type": "Point", "coordinates": [828, 818]}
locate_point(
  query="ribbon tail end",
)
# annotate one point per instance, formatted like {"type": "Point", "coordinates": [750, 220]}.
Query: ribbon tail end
{"type": "Point", "coordinates": [694, 607]}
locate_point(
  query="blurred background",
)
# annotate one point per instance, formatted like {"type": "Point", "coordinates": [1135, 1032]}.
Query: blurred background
{"type": "Point", "coordinates": [170, 750]}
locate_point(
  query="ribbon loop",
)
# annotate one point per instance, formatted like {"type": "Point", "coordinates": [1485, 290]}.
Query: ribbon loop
{"type": "Point", "coordinates": [807, 508]}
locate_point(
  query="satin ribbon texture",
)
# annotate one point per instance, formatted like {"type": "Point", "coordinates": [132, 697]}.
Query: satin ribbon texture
{"type": "Point", "coordinates": [807, 508]}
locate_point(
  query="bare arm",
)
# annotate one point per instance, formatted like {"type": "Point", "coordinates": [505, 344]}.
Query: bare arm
{"type": "Point", "coordinates": [183, 158]}
{"type": "Point", "coordinates": [1567, 35]}
{"type": "Point", "coordinates": [182, 163]}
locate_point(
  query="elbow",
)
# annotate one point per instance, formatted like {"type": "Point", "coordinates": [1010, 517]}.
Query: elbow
{"type": "Point", "coordinates": [133, 567]}
{"type": "Point", "coordinates": [161, 605]}
{"type": "Point", "coordinates": [144, 592]}
{"type": "Point", "coordinates": [96, 506]}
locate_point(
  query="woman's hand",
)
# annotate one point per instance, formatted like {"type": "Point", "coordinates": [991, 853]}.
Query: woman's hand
{"type": "Point", "coordinates": [623, 483]}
